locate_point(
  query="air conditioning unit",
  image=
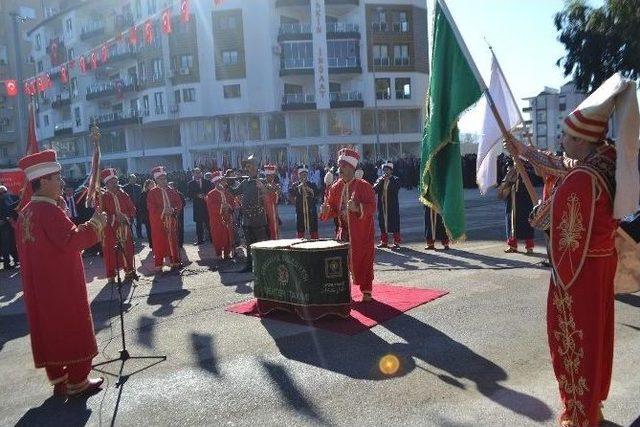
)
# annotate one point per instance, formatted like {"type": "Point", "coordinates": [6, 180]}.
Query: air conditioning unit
{"type": "Point", "coordinates": [185, 71]}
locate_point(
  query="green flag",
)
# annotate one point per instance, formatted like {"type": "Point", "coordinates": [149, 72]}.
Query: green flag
{"type": "Point", "coordinates": [453, 87]}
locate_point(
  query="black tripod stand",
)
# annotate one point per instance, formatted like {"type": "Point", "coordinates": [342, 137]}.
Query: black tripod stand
{"type": "Point", "coordinates": [124, 353]}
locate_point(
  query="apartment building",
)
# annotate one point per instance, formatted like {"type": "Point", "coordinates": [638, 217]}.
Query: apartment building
{"type": "Point", "coordinates": [546, 112]}
{"type": "Point", "coordinates": [288, 80]}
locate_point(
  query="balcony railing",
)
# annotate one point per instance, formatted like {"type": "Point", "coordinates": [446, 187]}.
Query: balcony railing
{"type": "Point", "coordinates": [63, 128]}
{"type": "Point", "coordinates": [295, 28]}
{"type": "Point", "coordinates": [387, 62]}
{"type": "Point", "coordinates": [97, 90]}
{"type": "Point", "coordinates": [61, 100]}
{"type": "Point", "coordinates": [117, 118]}
{"type": "Point", "coordinates": [122, 52]}
{"type": "Point", "coordinates": [344, 62]}
{"type": "Point", "coordinates": [342, 27]}
{"type": "Point", "coordinates": [151, 81]}
{"type": "Point", "coordinates": [297, 63]}
{"type": "Point", "coordinates": [345, 96]}
{"type": "Point", "coordinates": [393, 27]}
{"type": "Point", "coordinates": [92, 29]}
{"type": "Point", "coordinates": [298, 98]}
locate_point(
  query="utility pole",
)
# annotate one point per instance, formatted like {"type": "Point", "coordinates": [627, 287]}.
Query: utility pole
{"type": "Point", "coordinates": [16, 19]}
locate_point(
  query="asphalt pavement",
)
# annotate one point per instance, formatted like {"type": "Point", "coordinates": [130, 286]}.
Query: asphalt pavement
{"type": "Point", "coordinates": [475, 357]}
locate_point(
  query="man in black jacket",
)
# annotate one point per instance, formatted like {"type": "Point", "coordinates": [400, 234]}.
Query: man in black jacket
{"type": "Point", "coordinates": [134, 190]}
{"type": "Point", "coordinates": [8, 250]}
{"type": "Point", "coordinates": [387, 188]}
{"type": "Point", "coordinates": [197, 189]}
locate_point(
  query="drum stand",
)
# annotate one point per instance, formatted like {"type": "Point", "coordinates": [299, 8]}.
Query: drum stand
{"type": "Point", "coordinates": [124, 353]}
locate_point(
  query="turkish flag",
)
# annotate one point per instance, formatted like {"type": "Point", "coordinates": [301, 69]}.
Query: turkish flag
{"type": "Point", "coordinates": [148, 32]}
{"type": "Point", "coordinates": [83, 64]}
{"type": "Point", "coordinates": [64, 77]}
{"type": "Point", "coordinates": [94, 60]}
{"type": "Point", "coordinates": [104, 54]}
{"type": "Point", "coordinates": [32, 87]}
{"type": "Point", "coordinates": [185, 11]}
{"type": "Point", "coordinates": [166, 21]}
{"type": "Point", "coordinates": [133, 36]}
{"type": "Point", "coordinates": [12, 87]}
{"type": "Point", "coordinates": [41, 84]}
{"type": "Point", "coordinates": [47, 81]}
{"type": "Point", "coordinates": [25, 87]}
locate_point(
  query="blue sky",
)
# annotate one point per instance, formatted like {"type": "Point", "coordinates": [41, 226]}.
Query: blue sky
{"type": "Point", "coordinates": [523, 37]}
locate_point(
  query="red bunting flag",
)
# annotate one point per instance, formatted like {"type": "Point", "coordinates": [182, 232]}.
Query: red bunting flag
{"type": "Point", "coordinates": [25, 87]}
{"type": "Point", "coordinates": [31, 87]}
{"type": "Point", "coordinates": [41, 84]}
{"type": "Point", "coordinates": [47, 81]}
{"type": "Point", "coordinates": [64, 78]}
{"type": "Point", "coordinates": [148, 32]}
{"type": "Point", "coordinates": [104, 54]}
{"type": "Point", "coordinates": [83, 64]}
{"type": "Point", "coordinates": [94, 60]}
{"type": "Point", "coordinates": [12, 87]}
{"type": "Point", "coordinates": [133, 36]}
{"type": "Point", "coordinates": [217, 2]}
{"type": "Point", "coordinates": [185, 11]}
{"type": "Point", "coordinates": [166, 21]}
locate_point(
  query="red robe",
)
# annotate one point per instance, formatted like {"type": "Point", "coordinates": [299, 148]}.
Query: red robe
{"type": "Point", "coordinates": [111, 204]}
{"type": "Point", "coordinates": [355, 228]}
{"type": "Point", "coordinates": [580, 316]}
{"type": "Point", "coordinates": [55, 291]}
{"type": "Point", "coordinates": [164, 228]}
{"type": "Point", "coordinates": [221, 222]}
{"type": "Point", "coordinates": [271, 209]}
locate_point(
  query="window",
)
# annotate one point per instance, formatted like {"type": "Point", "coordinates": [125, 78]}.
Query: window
{"type": "Point", "coordinates": [541, 116]}
{"type": "Point", "coordinates": [541, 129]}
{"type": "Point", "coordinates": [297, 55]}
{"type": "Point", "coordinates": [176, 96]}
{"type": "Point", "coordinates": [380, 19]}
{"type": "Point", "coordinates": [343, 53]}
{"type": "Point", "coordinates": [145, 105]}
{"type": "Point", "coordinates": [391, 121]}
{"type": "Point", "coordinates": [542, 142]}
{"type": "Point", "coordinates": [40, 68]}
{"type": "Point", "coordinates": [403, 88]}
{"type": "Point", "coordinates": [4, 58]}
{"type": "Point", "coordinates": [133, 106]}
{"type": "Point", "coordinates": [227, 22]}
{"type": "Point", "coordinates": [46, 120]}
{"type": "Point", "coordinates": [248, 128]}
{"type": "Point", "coordinates": [304, 125]}
{"type": "Point", "coordinates": [157, 69]}
{"type": "Point", "coordinates": [231, 91]}
{"type": "Point", "coordinates": [380, 54]}
{"type": "Point", "coordinates": [340, 122]}
{"type": "Point", "coordinates": [224, 129]}
{"type": "Point", "coordinates": [383, 88]}
{"type": "Point", "coordinates": [69, 25]}
{"type": "Point", "coordinates": [410, 121]}
{"type": "Point", "coordinates": [562, 102]}
{"type": "Point", "coordinates": [276, 126]}
{"type": "Point", "coordinates": [401, 25]}
{"type": "Point", "coordinates": [74, 87]}
{"type": "Point", "coordinates": [77, 117]}
{"type": "Point", "coordinates": [541, 102]}
{"type": "Point", "coordinates": [4, 152]}
{"type": "Point", "coordinates": [183, 64]}
{"type": "Point", "coordinates": [230, 57]}
{"type": "Point", "coordinates": [38, 42]}
{"type": "Point", "coordinates": [159, 102]}
{"type": "Point", "coordinates": [401, 54]}
{"type": "Point", "coordinates": [189, 95]}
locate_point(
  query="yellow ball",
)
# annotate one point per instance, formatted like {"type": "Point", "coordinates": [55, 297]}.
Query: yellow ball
{"type": "Point", "coordinates": [389, 364]}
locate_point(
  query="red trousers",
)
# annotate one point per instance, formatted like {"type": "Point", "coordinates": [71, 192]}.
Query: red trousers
{"type": "Point", "coordinates": [75, 373]}
{"type": "Point", "coordinates": [580, 324]}
{"type": "Point", "coordinates": [513, 243]}
{"type": "Point", "coordinates": [384, 238]}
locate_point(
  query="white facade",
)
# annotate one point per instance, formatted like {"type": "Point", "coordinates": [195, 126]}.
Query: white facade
{"type": "Point", "coordinates": [547, 110]}
{"type": "Point", "coordinates": [275, 115]}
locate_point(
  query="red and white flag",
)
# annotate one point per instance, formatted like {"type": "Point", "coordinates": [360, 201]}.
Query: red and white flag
{"type": "Point", "coordinates": [12, 87]}
{"type": "Point", "coordinates": [166, 21]}
{"type": "Point", "coordinates": [185, 11]}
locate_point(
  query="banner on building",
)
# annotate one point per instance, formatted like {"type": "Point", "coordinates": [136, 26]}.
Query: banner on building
{"type": "Point", "coordinates": [13, 179]}
{"type": "Point", "coordinates": [320, 60]}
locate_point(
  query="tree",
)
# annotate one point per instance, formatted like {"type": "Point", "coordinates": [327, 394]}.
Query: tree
{"type": "Point", "coordinates": [599, 41]}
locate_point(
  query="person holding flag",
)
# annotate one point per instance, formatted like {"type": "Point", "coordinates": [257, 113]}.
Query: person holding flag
{"type": "Point", "coordinates": [55, 292]}
{"type": "Point", "coordinates": [387, 188]}
{"type": "Point", "coordinates": [353, 202]}
{"type": "Point", "coordinates": [118, 240]}
{"type": "Point", "coordinates": [305, 194]}
{"type": "Point", "coordinates": [220, 205]}
{"type": "Point", "coordinates": [164, 204]}
{"type": "Point", "coordinates": [597, 185]}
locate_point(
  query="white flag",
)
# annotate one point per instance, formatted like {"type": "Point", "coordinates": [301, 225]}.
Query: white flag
{"type": "Point", "coordinates": [488, 147]}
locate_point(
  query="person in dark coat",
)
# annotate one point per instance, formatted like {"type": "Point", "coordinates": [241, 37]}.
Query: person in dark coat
{"type": "Point", "coordinates": [306, 194]}
{"type": "Point", "coordinates": [8, 214]}
{"type": "Point", "coordinates": [387, 188]}
{"type": "Point", "coordinates": [180, 215]}
{"type": "Point", "coordinates": [197, 189]}
{"type": "Point", "coordinates": [518, 206]}
{"type": "Point", "coordinates": [143, 212]}
{"type": "Point", "coordinates": [134, 190]}
{"type": "Point", "coordinates": [434, 229]}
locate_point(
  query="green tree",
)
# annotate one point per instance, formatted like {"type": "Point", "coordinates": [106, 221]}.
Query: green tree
{"type": "Point", "coordinates": [599, 41]}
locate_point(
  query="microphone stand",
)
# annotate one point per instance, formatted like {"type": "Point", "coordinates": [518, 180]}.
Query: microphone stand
{"type": "Point", "coordinates": [124, 354]}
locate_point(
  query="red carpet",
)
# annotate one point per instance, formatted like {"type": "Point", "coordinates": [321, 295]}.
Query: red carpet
{"type": "Point", "coordinates": [390, 301]}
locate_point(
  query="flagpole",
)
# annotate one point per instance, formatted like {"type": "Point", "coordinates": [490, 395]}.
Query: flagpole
{"type": "Point", "coordinates": [505, 133]}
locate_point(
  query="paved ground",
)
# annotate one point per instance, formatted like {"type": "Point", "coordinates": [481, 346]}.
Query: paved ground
{"type": "Point", "coordinates": [477, 356]}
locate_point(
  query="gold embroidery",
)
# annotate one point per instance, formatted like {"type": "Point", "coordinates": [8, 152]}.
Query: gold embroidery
{"type": "Point", "coordinates": [571, 226]}
{"type": "Point", "coordinates": [27, 235]}
{"type": "Point", "coordinates": [570, 352]}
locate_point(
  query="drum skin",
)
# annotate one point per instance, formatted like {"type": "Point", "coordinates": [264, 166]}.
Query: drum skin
{"type": "Point", "coordinates": [308, 278]}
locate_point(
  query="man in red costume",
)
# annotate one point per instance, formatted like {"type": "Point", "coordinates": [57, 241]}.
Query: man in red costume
{"type": "Point", "coordinates": [164, 205]}
{"type": "Point", "coordinates": [220, 205]}
{"type": "Point", "coordinates": [353, 202]}
{"type": "Point", "coordinates": [120, 212]}
{"type": "Point", "coordinates": [271, 201]}
{"type": "Point", "coordinates": [593, 190]}
{"type": "Point", "coordinates": [55, 293]}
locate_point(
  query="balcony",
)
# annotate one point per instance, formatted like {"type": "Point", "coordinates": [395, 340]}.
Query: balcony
{"type": "Point", "coordinates": [154, 80]}
{"type": "Point", "coordinates": [346, 99]}
{"type": "Point", "coordinates": [390, 27]}
{"type": "Point", "coordinates": [117, 118]}
{"type": "Point", "coordinates": [392, 62]}
{"type": "Point", "coordinates": [343, 30]}
{"type": "Point", "coordinates": [113, 88]}
{"type": "Point", "coordinates": [290, 66]}
{"type": "Point", "coordinates": [63, 128]}
{"type": "Point", "coordinates": [122, 53]}
{"type": "Point", "coordinates": [61, 100]}
{"type": "Point", "coordinates": [298, 101]}
{"type": "Point", "coordinates": [92, 29]}
{"type": "Point", "coordinates": [344, 65]}
{"type": "Point", "coordinates": [294, 31]}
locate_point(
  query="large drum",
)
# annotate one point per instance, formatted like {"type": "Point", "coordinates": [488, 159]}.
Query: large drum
{"type": "Point", "coordinates": [309, 278]}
